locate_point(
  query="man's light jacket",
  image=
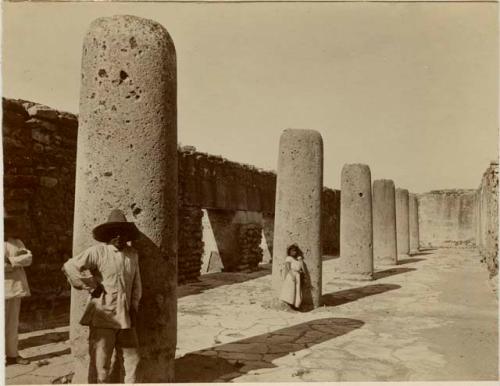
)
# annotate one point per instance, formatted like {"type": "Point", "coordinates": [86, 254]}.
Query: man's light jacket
{"type": "Point", "coordinates": [118, 272]}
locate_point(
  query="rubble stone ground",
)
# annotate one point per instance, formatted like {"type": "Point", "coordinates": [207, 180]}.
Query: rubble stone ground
{"type": "Point", "coordinates": [433, 317]}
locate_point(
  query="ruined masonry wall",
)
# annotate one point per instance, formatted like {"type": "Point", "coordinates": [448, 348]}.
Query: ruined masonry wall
{"type": "Point", "coordinates": [446, 218]}
{"type": "Point", "coordinates": [190, 238]}
{"type": "Point", "coordinates": [330, 221]}
{"type": "Point", "coordinates": [486, 216]}
{"type": "Point", "coordinates": [250, 252]}
{"type": "Point", "coordinates": [39, 147]}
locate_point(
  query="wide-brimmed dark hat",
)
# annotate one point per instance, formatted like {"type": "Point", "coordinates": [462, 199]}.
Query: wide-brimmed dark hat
{"type": "Point", "coordinates": [117, 223]}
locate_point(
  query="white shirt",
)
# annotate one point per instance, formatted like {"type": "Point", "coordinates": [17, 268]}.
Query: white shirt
{"type": "Point", "coordinates": [16, 257]}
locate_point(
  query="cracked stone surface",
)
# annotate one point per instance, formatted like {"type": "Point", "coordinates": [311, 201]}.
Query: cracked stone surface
{"type": "Point", "coordinates": [433, 317]}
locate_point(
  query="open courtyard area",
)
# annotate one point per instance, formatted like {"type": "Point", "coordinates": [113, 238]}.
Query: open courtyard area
{"type": "Point", "coordinates": [433, 317]}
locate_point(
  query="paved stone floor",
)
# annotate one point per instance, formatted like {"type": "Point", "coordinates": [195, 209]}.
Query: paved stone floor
{"type": "Point", "coordinates": [432, 317]}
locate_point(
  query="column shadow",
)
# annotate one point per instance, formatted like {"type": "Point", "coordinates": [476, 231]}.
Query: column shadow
{"type": "Point", "coordinates": [421, 253]}
{"type": "Point", "coordinates": [214, 280]}
{"type": "Point", "coordinates": [53, 354]}
{"type": "Point", "coordinates": [391, 272]}
{"type": "Point", "coordinates": [40, 340]}
{"type": "Point", "coordinates": [351, 295]}
{"type": "Point", "coordinates": [330, 257]}
{"type": "Point", "coordinates": [410, 260]}
{"type": "Point", "coordinates": [231, 360]}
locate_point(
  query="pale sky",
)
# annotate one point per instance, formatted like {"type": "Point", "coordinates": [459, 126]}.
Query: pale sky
{"type": "Point", "coordinates": [409, 89]}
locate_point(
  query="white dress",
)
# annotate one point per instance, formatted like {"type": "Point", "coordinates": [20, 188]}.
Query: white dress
{"type": "Point", "coordinates": [291, 291]}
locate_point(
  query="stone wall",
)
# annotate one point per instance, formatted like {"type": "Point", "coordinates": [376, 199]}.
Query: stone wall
{"type": "Point", "coordinates": [330, 221]}
{"type": "Point", "coordinates": [190, 239]}
{"type": "Point", "coordinates": [446, 218]}
{"type": "Point", "coordinates": [486, 216]}
{"type": "Point", "coordinates": [39, 147]}
{"type": "Point", "coordinates": [250, 253]}
{"type": "Point", "coordinates": [213, 182]}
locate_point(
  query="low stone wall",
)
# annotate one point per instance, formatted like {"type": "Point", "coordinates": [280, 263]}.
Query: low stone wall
{"type": "Point", "coordinates": [486, 216]}
{"type": "Point", "coordinates": [446, 218]}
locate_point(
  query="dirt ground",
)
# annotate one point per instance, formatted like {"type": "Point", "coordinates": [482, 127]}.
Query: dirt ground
{"type": "Point", "coordinates": [433, 317]}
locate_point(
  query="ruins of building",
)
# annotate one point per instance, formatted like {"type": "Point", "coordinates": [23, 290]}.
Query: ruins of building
{"type": "Point", "coordinates": [226, 209]}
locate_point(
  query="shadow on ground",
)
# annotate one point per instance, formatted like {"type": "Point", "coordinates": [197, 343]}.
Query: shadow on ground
{"type": "Point", "coordinates": [427, 249]}
{"type": "Point", "coordinates": [49, 355]}
{"type": "Point", "coordinates": [40, 340]}
{"type": "Point", "coordinates": [410, 260]}
{"type": "Point", "coordinates": [232, 360]}
{"type": "Point", "coordinates": [330, 257]}
{"type": "Point", "coordinates": [353, 294]}
{"type": "Point", "coordinates": [214, 280]}
{"type": "Point", "coordinates": [421, 253]}
{"type": "Point", "coordinates": [391, 272]}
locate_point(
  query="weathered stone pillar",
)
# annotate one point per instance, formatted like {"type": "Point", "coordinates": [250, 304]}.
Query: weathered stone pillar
{"type": "Point", "coordinates": [127, 159]}
{"type": "Point", "coordinates": [402, 221]}
{"type": "Point", "coordinates": [298, 208]}
{"type": "Point", "coordinates": [356, 227]}
{"type": "Point", "coordinates": [384, 223]}
{"type": "Point", "coordinates": [413, 224]}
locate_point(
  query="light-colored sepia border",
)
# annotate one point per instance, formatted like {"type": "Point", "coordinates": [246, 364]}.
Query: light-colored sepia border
{"type": "Point", "coordinates": [447, 383]}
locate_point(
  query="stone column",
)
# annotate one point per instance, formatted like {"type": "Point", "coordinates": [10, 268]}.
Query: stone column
{"type": "Point", "coordinates": [384, 223]}
{"type": "Point", "coordinates": [127, 159]}
{"type": "Point", "coordinates": [298, 208]}
{"type": "Point", "coordinates": [413, 224]}
{"type": "Point", "coordinates": [402, 221]}
{"type": "Point", "coordinates": [356, 231]}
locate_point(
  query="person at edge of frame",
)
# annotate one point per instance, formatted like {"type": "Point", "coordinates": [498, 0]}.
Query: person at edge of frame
{"type": "Point", "coordinates": [16, 287]}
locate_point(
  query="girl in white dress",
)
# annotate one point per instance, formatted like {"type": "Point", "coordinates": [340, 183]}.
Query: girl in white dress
{"type": "Point", "coordinates": [291, 292]}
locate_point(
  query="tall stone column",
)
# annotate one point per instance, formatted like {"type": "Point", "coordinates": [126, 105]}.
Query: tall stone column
{"type": "Point", "coordinates": [356, 227]}
{"type": "Point", "coordinates": [413, 224]}
{"type": "Point", "coordinates": [402, 221]}
{"type": "Point", "coordinates": [384, 223]}
{"type": "Point", "coordinates": [298, 208]}
{"type": "Point", "coordinates": [127, 159]}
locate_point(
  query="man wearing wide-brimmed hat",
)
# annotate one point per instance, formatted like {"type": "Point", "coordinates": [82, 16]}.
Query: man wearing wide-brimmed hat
{"type": "Point", "coordinates": [109, 271]}
{"type": "Point", "coordinates": [16, 286]}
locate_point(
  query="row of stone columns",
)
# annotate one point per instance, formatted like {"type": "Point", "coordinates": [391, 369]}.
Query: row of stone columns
{"type": "Point", "coordinates": [375, 226]}
{"type": "Point", "coordinates": [127, 159]}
